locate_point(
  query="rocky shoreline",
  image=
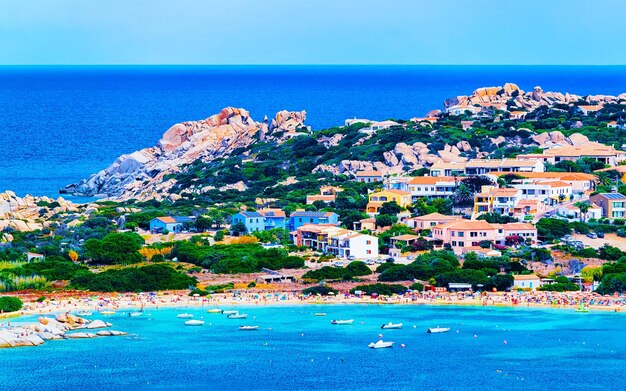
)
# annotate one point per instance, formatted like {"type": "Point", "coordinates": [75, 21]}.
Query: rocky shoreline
{"type": "Point", "coordinates": [62, 326]}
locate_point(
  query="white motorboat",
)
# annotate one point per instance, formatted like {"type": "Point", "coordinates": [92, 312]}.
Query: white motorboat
{"type": "Point", "coordinates": [135, 314]}
{"type": "Point", "coordinates": [434, 330]}
{"type": "Point", "coordinates": [248, 328]}
{"type": "Point", "coordinates": [380, 344]}
{"type": "Point", "coordinates": [320, 314]}
{"type": "Point", "coordinates": [84, 313]}
{"type": "Point", "coordinates": [341, 322]}
{"type": "Point", "coordinates": [214, 311]}
{"type": "Point", "coordinates": [230, 312]}
{"type": "Point", "coordinates": [107, 312]}
{"type": "Point", "coordinates": [391, 326]}
{"type": "Point", "coordinates": [184, 316]}
{"type": "Point", "coordinates": [194, 322]}
{"type": "Point", "coordinates": [237, 316]}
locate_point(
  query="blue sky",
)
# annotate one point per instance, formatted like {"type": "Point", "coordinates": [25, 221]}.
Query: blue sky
{"type": "Point", "coordinates": [576, 32]}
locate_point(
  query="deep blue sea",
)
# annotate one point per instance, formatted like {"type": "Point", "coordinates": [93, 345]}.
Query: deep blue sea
{"type": "Point", "coordinates": [296, 350]}
{"type": "Point", "coordinates": [61, 124]}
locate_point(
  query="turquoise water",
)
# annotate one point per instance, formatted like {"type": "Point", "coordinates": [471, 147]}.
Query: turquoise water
{"type": "Point", "coordinates": [295, 350]}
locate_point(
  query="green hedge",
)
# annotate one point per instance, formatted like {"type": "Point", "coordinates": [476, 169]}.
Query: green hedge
{"type": "Point", "coordinates": [10, 304]}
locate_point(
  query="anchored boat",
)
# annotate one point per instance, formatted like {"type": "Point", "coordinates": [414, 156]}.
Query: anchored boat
{"type": "Point", "coordinates": [391, 326]}
{"type": "Point", "coordinates": [435, 330]}
{"type": "Point", "coordinates": [341, 322]}
{"type": "Point", "coordinates": [380, 344]}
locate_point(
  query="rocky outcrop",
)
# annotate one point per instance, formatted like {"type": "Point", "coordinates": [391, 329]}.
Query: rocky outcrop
{"type": "Point", "coordinates": [62, 326]}
{"type": "Point", "coordinates": [556, 138]}
{"type": "Point", "coordinates": [141, 174]}
{"type": "Point", "coordinates": [402, 159]}
{"type": "Point", "coordinates": [26, 213]}
{"type": "Point", "coordinates": [516, 99]}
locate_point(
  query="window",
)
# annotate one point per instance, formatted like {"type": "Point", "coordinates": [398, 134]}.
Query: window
{"type": "Point", "coordinates": [473, 234]}
{"type": "Point", "coordinates": [452, 233]}
{"type": "Point", "coordinates": [461, 244]}
{"type": "Point", "coordinates": [368, 242]}
{"type": "Point", "coordinates": [461, 234]}
{"type": "Point", "coordinates": [454, 243]}
{"type": "Point", "coordinates": [311, 220]}
{"type": "Point", "coordinates": [368, 252]}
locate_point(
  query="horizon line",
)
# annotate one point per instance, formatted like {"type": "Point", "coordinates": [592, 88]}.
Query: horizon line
{"type": "Point", "coordinates": [311, 65]}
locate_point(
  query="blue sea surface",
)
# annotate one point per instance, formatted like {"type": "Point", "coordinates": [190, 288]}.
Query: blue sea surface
{"type": "Point", "coordinates": [60, 124]}
{"type": "Point", "coordinates": [486, 349]}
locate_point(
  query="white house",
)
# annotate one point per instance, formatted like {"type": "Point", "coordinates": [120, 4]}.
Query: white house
{"type": "Point", "coordinates": [526, 281]}
{"type": "Point", "coordinates": [433, 187]}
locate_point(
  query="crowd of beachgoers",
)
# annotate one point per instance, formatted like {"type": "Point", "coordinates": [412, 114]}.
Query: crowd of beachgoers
{"type": "Point", "coordinates": [77, 301]}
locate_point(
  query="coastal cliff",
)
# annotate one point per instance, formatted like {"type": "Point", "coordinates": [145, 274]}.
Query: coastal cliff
{"type": "Point", "coordinates": [142, 174]}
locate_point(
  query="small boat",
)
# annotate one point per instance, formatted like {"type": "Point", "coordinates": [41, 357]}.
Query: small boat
{"type": "Point", "coordinates": [390, 325]}
{"type": "Point", "coordinates": [380, 344]}
{"type": "Point", "coordinates": [214, 311]}
{"type": "Point", "coordinates": [135, 314]}
{"type": "Point", "coordinates": [237, 316]}
{"type": "Point", "coordinates": [248, 328]}
{"type": "Point", "coordinates": [340, 322]}
{"type": "Point", "coordinates": [320, 314]}
{"type": "Point", "coordinates": [84, 313]}
{"type": "Point", "coordinates": [194, 322]}
{"type": "Point", "coordinates": [184, 316]}
{"type": "Point", "coordinates": [582, 308]}
{"type": "Point", "coordinates": [107, 312]}
{"type": "Point", "coordinates": [435, 330]}
{"type": "Point", "coordinates": [230, 312]}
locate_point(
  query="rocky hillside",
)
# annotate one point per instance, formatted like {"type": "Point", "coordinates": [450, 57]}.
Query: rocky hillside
{"type": "Point", "coordinates": [516, 99]}
{"type": "Point", "coordinates": [230, 151]}
{"type": "Point", "coordinates": [141, 174]}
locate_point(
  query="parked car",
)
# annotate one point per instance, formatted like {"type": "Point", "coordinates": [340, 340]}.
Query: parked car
{"type": "Point", "coordinates": [621, 233]}
{"type": "Point", "coordinates": [600, 235]}
{"type": "Point", "coordinates": [351, 258]}
{"type": "Point", "coordinates": [370, 262]}
{"type": "Point", "coordinates": [338, 264]}
{"type": "Point", "coordinates": [379, 261]}
{"type": "Point", "coordinates": [592, 235]}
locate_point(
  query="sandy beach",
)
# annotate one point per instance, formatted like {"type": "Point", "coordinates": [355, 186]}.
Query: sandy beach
{"type": "Point", "coordinates": [86, 301]}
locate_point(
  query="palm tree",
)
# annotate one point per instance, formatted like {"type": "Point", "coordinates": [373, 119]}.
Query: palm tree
{"type": "Point", "coordinates": [584, 208]}
{"type": "Point", "coordinates": [463, 195]}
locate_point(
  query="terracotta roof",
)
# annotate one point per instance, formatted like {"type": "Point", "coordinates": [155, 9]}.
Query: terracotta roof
{"type": "Point", "coordinates": [525, 277]}
{"type": "Point", "coordinates": [518, 226]}
{"type": "Point", "coordinates": [587, 149]}
{"type": "Point", "coordinates": [435, 216]}
{"type": "Point", "coordinates": [555, 183]}
{"type": "Point", "coordinates": [319, 197]}
{"type": "Point", "coordinates": [272, 212]}
{"type": "Point", "coordinates": [506, 192]}
{"type": "Point", "coordinates": [166, 219]}
{"type": "Point", "coordinates": [405, 237]}
{"type": "Point", "coordinates": [467, 225]}
{"type": "Point", "coordinates": [430, 180]}
{"type": "Point", "coordinates": [571, 176]}
{"type": "Point", "coordinates": [369, 173]}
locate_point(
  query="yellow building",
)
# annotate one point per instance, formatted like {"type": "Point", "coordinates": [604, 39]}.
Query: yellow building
{"type": "Point", "coordinates": [377, 199]}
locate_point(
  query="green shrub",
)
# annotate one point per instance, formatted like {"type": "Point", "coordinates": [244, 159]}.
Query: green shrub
{"type": "Point", "coordinates": [358, 268]}
{"type": "Point", "coordinates": [10, 304]}
{"type": "Point", "coordinates": [319, 290]}
{"type": "Point", "coordinates": [418, 286]}
{"type": "Point", "coordinates": [134, 279]}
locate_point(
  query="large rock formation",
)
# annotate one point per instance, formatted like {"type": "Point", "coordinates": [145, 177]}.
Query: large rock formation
{"type": "Point", "coordinates": [516, 99]}
{"type": "Point", "coordinates": [26, 213]}
{"type": "Point", "coordinates": [141, 174]}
